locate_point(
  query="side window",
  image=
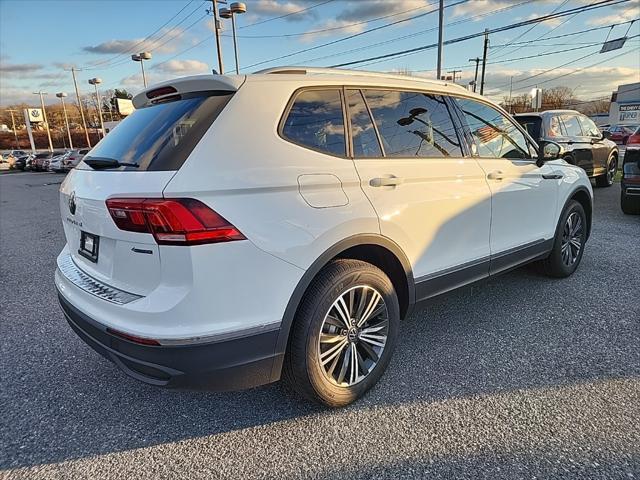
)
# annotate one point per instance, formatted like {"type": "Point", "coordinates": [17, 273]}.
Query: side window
{"type": "Point", "coordinates": [413, 124]}
{"type": "Point", "coordinates": [316, 121]}
{"type": "Point", "coordinates": [572, 125]}
{"type": "Point", "coordinates": [588, 127]}
{"type": "Point", "coordinates": [494, 134]}
{"type": "Point", "coordinates": [365, 140]}
{"type": "Point", "coordinates": [556, 129]}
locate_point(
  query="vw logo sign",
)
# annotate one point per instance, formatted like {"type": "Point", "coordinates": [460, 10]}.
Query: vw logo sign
{"type": "Point", "coordinates": [72, 203]}
{"type": "Point", "coordinates": [35, 113]}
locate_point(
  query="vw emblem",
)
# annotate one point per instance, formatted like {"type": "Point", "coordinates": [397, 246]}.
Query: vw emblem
{"type": "Point", "coordinates": [72, 203]}
{"type": "Point", "coordinates": [35, 113]}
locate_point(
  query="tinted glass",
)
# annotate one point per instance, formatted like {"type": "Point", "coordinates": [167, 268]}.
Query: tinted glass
{"type": "Point", "coordinates": [588, 127]}
{"type": "Point", "coordinates": [413, 124]}
{"type": "Point", "coordinates": [556, 128]}
{"type": "Point", "coordinates": [161, 137]}
{"type": "Point", "coordinates": [533, 125]}
{"type": "Point", "coordinates": [494, 135]}
{"type": "Point", "coordinates": [316, 121]}
{"type": "Point", "coordinates": [572, 125]}
{"type": "Point", "coordinates": [365, 140]}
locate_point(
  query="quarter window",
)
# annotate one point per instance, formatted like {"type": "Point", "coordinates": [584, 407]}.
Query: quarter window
{"type": "Point", "coordinates": [413, 124]}
{"type": "Point", "coordinates": [494, 135]}
{"type": "Point", "coordinates": [316, 121]}
{"type": "Point", "coordinates": [588, 127]}
{"type": "Point", "coordinates": [365, 140]}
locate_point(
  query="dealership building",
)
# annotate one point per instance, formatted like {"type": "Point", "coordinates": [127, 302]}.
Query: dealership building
{"type": "Point", "coordinates": [625, 105]}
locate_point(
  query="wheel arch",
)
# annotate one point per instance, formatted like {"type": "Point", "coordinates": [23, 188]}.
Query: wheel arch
{"type": "Point", "coordinates": [375, 249]}
{"type": "Point", "coordinates": [583, 197]}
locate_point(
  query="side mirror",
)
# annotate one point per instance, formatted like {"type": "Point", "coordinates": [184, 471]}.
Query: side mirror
{"type": "Point", "coordinates": [606, 135]}
{"type": "Point", "coordinates": [550, 151]}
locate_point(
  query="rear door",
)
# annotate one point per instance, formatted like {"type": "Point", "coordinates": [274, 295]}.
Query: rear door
{"type": "Point", "coordinates": [430, 199]}
{"type": "Point", "coordinates": [578, 143]}
{"type": "Point", "coordinates": [599, 149]}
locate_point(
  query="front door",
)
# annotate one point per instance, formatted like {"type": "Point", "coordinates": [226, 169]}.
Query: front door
{"type": "Point", "coordinates": [524, 196]}
{"type": "Point", "coordinates": [431, 199]}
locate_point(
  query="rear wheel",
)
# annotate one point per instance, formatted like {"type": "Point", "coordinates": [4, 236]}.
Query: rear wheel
{"type": "Point", "coordinates": [344, 333]}
{"type": "Point", "coordinates": [607, 179]}
{"type": "Point", "coordinates": [630, 205]}
{"type": "Point", "coordinates": [568, 244]}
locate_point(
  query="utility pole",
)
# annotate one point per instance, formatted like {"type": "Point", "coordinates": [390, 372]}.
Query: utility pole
{"type": "Point", "coordinates": [484, 59]}
{"type": "Point", "coordinates": [44, 114]}
{"type": "Point", "coordinates": [13, 125]}
{"type": "Point", "coordinates": [216, 29]}
{"type": "Point", "coordinates": [84, 122]}
{"type": "Point", "coordinates": [453, 72]}
{"type": "Point", "coordinates": [61, 96]}
{"type": "Point", "coordinates": [475, 78]}
{"type": "Point", "coordinates": [440, 36]}
{"type": "Point", "coordinates": [510, 91]}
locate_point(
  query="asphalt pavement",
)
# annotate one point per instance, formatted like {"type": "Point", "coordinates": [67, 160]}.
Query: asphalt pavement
{"type": "Point", "coordinates": [520, 376]}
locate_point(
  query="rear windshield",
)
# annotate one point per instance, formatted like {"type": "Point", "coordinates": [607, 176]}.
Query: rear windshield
{"type": "Point", "coordinates": [532, 125]}
{"type": "Point", "coordinates": [160, 137]}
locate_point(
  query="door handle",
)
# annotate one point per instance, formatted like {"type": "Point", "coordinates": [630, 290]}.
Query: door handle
{"type": "Point", "coordinates": [495, 175]}
{"type": "Point", "coordinates": [390, 181]}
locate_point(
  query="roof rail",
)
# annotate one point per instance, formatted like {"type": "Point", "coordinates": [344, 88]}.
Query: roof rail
{"type": "Point", "coordinates": [301, 70]}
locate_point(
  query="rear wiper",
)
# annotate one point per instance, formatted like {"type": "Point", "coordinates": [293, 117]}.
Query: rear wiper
{"type": "Point", "coordinates": [104, 163]}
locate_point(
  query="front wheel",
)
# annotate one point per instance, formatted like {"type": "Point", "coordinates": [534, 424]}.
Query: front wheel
{"type": "Point", "coordinates": [569, 242]}
{"type": "Point", "coordinates": [344, 333]}
{"type": "Point", "coordinates": [607, 179]}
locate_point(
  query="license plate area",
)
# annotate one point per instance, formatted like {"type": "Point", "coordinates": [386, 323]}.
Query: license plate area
{"type": "Point", "coordinates": [89, 244]}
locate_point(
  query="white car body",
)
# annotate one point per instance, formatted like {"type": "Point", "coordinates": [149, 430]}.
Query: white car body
{"type": "Point", "coordinates": [297, 208]}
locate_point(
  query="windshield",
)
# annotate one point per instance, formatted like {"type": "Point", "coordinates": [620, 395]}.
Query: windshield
{"type": "Point", "coordinates": [159, 137]}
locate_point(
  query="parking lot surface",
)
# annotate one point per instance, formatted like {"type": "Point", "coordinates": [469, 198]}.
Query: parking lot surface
{"type": "Point", "coordinates": [517, 377]}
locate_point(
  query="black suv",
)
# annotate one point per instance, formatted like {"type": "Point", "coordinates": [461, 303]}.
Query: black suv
{"type": "Point", "coordinates": [582, 142]}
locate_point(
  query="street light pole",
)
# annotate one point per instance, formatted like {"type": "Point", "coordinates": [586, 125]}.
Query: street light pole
{"type": "Point", "coordinates": [13, 125]}
{"type": "Point", "coordinates": [141, 57]}
{"type": "Point", "coordinates": [440, 36]}
{"type": "Point", "coordinates": [475, 78]}
{"type": "Point", "coordinates": [484, 59]}
{"type": "Point", "coordinates": [95, 82]}
{"type": "Point", "coordinates": [84, 122]}
{"type": "Point", "coordinates": [44, 114]}
{"type": "Point", "coordinates": [236, 8]}
{"type": "Point", "coordinates": [61, 96]}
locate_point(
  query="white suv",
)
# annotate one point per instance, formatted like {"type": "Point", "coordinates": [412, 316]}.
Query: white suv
{"type": "Point", "coordinates": [235, 229]}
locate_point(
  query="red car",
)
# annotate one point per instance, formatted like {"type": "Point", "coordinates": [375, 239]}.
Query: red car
{"type": "Point", "coordinates": [634, 138]}
{"type": "Point", "coordinates": [621, 133]}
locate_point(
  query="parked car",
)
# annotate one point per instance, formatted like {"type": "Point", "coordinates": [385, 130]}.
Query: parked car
{"type": "Point", "coordinates": [634, 138]}
{"type": "Point", "coordinates": [201, 253]}
{"type": "Point", "coordinates": [74, 158]}
{"type": "Point", "coordinates": [13, 155]}
{"type": "Point", "coordinates": [22, 162]}
{"type": "Point", "coordinates": [630, 183]}
{"type": "Point", "coordinates": [582, 142]}
{"type": "Point", "coordinates": [55, 164]}
{"type": "Point", "coordinates": [38, 164]}
{"type": "Point", "coordinates": [620, 133]}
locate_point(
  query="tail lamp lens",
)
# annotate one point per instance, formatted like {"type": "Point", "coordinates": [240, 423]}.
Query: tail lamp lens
{"type": "Point", "coordinates": [176, 221]}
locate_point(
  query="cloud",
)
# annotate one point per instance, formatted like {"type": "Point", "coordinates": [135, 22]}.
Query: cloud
{"type": "Point", "coordinates": [9, 69]}
{"type": "Point", "coordinates": [166, 42]}
{"type": "Point", "coordinates": [478, 7]}
{"type": "Point", "coordinates": [184, 67]}
{"type": "Point", "coordinates": [553, 22]}
{"type": "Point", "coordinates": [624, 13]}
{"type": "Point", "coordinates": [260, 9]}
{"type": "Point", "coordinates": [366, 10]}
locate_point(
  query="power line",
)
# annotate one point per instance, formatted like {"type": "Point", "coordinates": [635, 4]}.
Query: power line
{"type": "Point", "coordinates": [132, 48]}
{"type": "Point", "coordinates": [286, 14]}
{"type": "Point", "coordinates": [353, 36]}
{"type": "Point", "coordinates": [594, 6]}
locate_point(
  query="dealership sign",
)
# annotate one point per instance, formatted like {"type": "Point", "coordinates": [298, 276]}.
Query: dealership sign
{"type": "Point", "coordinates": [35, 115]}
{"type": "Point", "coordinates": [629, 112]}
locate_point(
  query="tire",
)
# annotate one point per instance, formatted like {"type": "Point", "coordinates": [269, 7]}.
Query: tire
{"type": "Point", "coordinates": [629, 205]}
{"type": "Point", "coordinates": [557, 264]}
{"type": "Point", "coordinates": [335, 384]}
{"type": "Point", "coordinates": [607, 179]}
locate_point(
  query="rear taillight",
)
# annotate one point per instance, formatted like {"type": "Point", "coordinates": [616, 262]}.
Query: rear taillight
{"type": "Point", "coordinates": [134, 338]}
{"type": "Point", "coordinates": [176, 221]}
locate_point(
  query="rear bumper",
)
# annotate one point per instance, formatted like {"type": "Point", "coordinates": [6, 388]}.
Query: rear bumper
{"type": "Point", "coordinates": [230, 364]}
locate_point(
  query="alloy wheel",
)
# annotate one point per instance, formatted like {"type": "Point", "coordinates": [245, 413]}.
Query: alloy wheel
{"type": "Point", "coordinates": [611, 172]}
{"type": "Point", "coordinates": [353, 336]}
{"type": "Point", "coordinates": [571, 239]}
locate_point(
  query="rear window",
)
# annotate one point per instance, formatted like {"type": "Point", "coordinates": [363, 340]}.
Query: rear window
{"type": "Point", "coordinates": [533, 126]}
{"type": "Point", "coordinates": [161, 137]}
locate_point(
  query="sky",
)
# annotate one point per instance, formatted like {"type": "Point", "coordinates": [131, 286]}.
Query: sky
{"type": "Point", "coordinates": [39, 40]}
